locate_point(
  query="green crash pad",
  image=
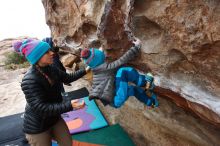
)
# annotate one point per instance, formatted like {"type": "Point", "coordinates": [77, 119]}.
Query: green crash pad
{"type": "Point", "coordinates": [113, 135]}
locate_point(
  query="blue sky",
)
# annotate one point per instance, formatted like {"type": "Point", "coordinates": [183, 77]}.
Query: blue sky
{"type": "Point", "coordinates": [22, 18]}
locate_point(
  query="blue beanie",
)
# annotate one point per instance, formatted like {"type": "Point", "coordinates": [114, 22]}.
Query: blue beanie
{"type": "Point", "coordinates": [93, 58]}
{"type": "Point", "coordinates": [32, 49]}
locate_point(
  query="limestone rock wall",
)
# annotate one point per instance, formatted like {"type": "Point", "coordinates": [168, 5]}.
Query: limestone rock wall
{"type": "Point", "coordinates": [180, 46]}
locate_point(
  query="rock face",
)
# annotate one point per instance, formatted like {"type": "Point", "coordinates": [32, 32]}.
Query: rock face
{"type": "Point", "coordinates": [180, 46]}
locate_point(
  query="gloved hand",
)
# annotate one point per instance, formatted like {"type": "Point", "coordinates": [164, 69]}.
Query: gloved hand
{"type": "Point", "coordinates": [136, 42]}
{"type": "Point", "coordinates": [137, 46]}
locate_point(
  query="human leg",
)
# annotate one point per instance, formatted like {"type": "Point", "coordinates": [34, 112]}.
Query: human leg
{"type": "Point", "coordinates": [129, 74]}
{"type": "Point", "coordinates": [61, 133]}
{"type": "Point", "coordinates": [42, 139]}
{"type": "Point", "coordinates": [147, 97]}
{"type": "Point", "coordinates": [121, 93]}
{"type": "Point", "coordinates": [141, 95]}
{"type": "Point", "coordinates": [153, 97]}
{"type": "Point", "coordinates": [123, 90]}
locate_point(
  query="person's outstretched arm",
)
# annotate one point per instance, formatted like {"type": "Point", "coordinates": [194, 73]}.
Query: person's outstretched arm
{"type": "Point", "coordinates": [70, 77]}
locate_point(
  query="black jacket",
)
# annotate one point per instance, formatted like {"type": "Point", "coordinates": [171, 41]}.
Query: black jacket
{"type": "Point", "coordinates": [44, 101]}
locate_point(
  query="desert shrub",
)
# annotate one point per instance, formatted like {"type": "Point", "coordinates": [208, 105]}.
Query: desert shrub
{"type": "Point", "coordinates": [14, 61]}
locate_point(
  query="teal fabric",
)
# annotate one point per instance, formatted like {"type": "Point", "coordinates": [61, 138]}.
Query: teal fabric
{"type": "Point", "coordinates": [113, 135]}
{"type": "Point", "coordinates": [93, 109]}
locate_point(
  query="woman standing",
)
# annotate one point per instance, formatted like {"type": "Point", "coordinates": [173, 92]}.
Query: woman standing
{"type": "Point", "coordinates": [41, 86]}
